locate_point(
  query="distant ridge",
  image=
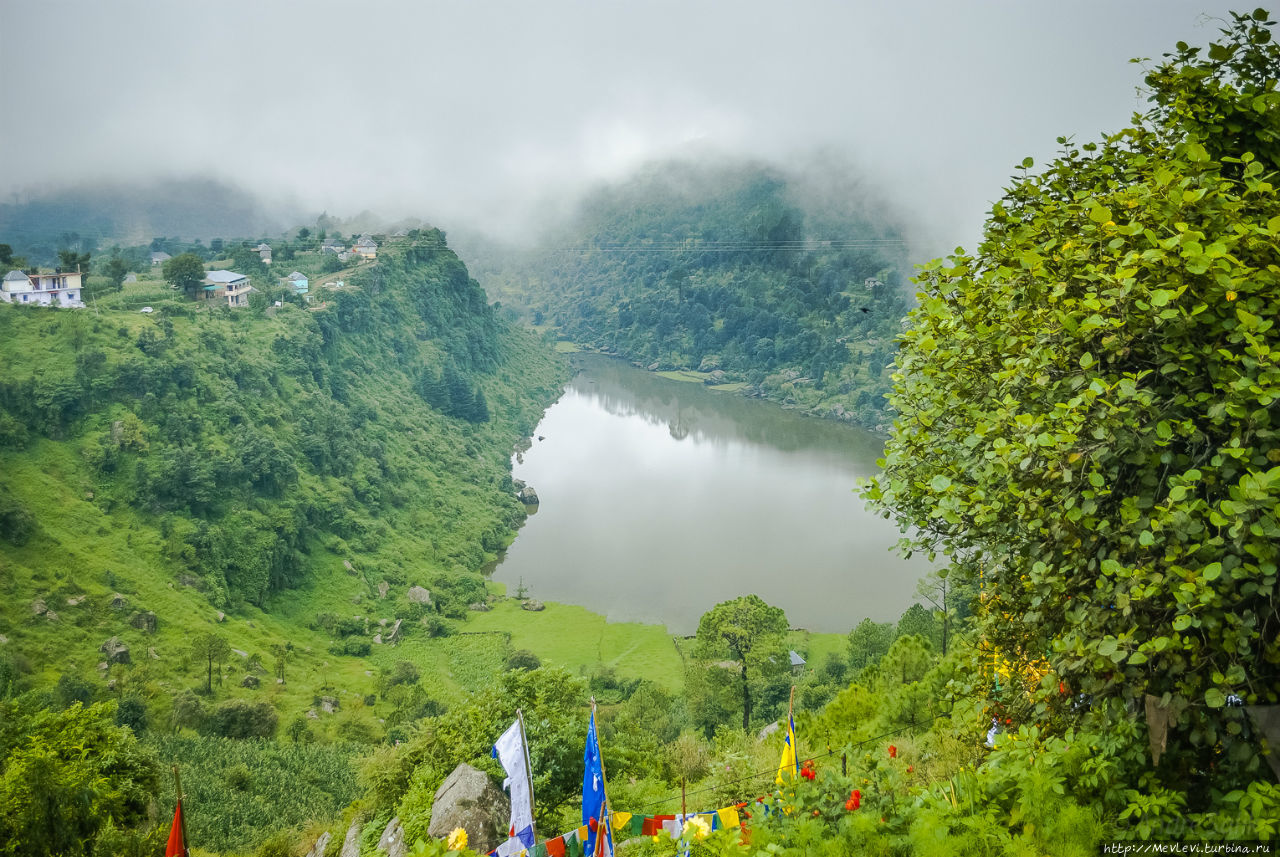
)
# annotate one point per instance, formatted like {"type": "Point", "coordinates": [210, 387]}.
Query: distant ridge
{"type": "Point", "coordinates": [134, 213]}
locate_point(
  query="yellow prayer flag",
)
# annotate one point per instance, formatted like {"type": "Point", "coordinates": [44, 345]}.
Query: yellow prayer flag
{"type": "Point", "coordinates": [728, 816]}
{"type": "Point", "coordinates": [621, 820]}
{"type": "Point", "coordinates": [788, 764]}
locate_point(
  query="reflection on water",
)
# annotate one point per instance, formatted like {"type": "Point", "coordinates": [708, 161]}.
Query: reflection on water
{"type": "Point", "coordinates": [662, 498]}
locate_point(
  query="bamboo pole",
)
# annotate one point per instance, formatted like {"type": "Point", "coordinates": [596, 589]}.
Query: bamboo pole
{"type": "Point", "coordinates": [528, 773]}
{"type": "Point", "coordinates": [602, 831]}
{"type": "Point", "coordinates": [182, 813]}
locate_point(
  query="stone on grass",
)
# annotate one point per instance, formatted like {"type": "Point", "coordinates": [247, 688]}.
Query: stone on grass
{"type": "Point", "coordinates": [470, 800]}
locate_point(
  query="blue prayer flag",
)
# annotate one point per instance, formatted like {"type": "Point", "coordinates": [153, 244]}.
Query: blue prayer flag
{"type": "Point", "coordinates": [594, 806]}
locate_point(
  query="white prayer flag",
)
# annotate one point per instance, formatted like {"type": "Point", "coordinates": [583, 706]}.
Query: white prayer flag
{"type": "Point", "coordinates": [510, 751]}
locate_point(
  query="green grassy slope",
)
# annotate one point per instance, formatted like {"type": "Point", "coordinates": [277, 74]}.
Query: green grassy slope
{"type": "Point", "coordinates": [269, 465]}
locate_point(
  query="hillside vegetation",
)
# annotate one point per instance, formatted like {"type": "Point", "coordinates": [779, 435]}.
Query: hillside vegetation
{"type": "Point", "coordinates": [741, 272]}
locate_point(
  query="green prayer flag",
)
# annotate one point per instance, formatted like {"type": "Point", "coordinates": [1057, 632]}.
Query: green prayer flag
{"type": "Point", "coordinates": [572, 845]}
{"type": "Point", "coordinates": [540, 850]}
{"type": "Point", "coordinates": [636, 826]}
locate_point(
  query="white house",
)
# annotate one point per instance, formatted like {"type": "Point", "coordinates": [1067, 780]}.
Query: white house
{"type": "Point", "coordinates": [298, 282]}
{"type": "Point", "coordinates": [365, 247]}
{"type": "Point", "coordinates": [227, 284]}
{"type": "Point", "coordinates": [56, 289]}
{"type": "Point", "coordinates": [159, 257]}
{"type": "Point", "coordinates": [264, 253]}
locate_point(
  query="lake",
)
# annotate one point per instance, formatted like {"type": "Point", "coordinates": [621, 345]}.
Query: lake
{"type": "Point", "coordinates": [662, 498]}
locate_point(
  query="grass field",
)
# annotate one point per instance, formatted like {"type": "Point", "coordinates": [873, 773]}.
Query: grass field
{"type": "Point", "coordinates": [579, 640]}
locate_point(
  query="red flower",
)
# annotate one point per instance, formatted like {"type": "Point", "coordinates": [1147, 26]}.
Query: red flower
{"type": "Point", "coordinates": [855, 800]}
{"type": "Point", "coordinates": [815, 813]}
{"type": "Point", "coordinates": [911, 769]}
{"type": "Point", "coordinates": [893, 752]}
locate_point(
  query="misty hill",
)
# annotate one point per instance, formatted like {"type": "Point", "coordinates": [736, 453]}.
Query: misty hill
{"type": "Point", "coordinates": [792, 286]}
{"type": "Point", "coordinates": [283, 466]}
{"type": "Point", "coordinates": [119, 213]}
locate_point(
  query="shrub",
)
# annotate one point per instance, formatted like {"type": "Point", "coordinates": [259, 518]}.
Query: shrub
{"type": "Point", "coordinates": [240, 718]}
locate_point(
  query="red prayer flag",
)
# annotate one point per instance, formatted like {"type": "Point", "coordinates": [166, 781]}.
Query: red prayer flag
{"type": "Point", "coordinates": [555, 847]}
{"type": "Point", "coordinates": [176, 847]}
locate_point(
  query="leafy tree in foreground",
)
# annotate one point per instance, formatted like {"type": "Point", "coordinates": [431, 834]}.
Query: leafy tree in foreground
{"type": "Point", "coordinates": [1090, 416]}
{"type": "Point", "coordinates": [63, 774]}
{"type": "Point", "coordinates": [186, 272]}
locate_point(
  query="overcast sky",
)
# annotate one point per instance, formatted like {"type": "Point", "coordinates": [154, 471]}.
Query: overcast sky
{"type": "Point", "coordinates": [465, 112]}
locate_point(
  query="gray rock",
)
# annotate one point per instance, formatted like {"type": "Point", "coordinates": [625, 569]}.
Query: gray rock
{"type": "Point", "coordinates": [395, 631]}
{"type": "Point", "coordinates": [3, 639]}
{"type": "Point", "coordinates": [528, 496]}
{"type": "Point", "coordinates": [346, 563]}
{"type": "Point", "coordinates": [242, 653]}
{"type": "Point", "coordinates": [118, 601]}
{"type": "Point", "coordinates": [377, 639]}
{"type": "Point", "coordinates": [479, 607]}
{"type": "Point", "coordinates": [418, 595]}
{"type": "Point", "coordinates": [251, 681]}
{"type": "Point", "coordinates": [51, 616]}
{"type": "Point", "coordinates": [769, 730]}
{"type": "Point", "coordinates": [311, 714]}
{"type": "Point", "coordinates": [115, 650]}
{"type": "Point", "coordinates": [533, 605]}
{"type": "Point", "coordinates": [328, 704]}
{"type": "Point", "coordinates": [151, 653]}
{"type": "Point", "coordinates": [383, 588]}
{"type": "Point", "coordinates": [392, 841]}
{"type": "Point", "coordinates": [222, 617]}
{"type": "Point", "coordinates": [279, 681]}
{"type": "Point", "coordinates": [38, 607]}
{"type": "Point", "coordinates": [470, 800]}
{"type": "Point", "coordinates": [145, 620]}
{"type": "Point", "coordinates": [351, 845]}
{"type": "Point", "coordinates": [322, 843]}
{"type": "Point", "coordinates": [76, 600]}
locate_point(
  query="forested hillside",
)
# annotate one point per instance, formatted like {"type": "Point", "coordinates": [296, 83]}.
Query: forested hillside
{"type": "Point", "coordinates": [742, 272]}
{"type": "Point", "coordinates": [276, 465]}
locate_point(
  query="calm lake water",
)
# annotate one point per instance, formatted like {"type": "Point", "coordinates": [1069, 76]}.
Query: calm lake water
{"type": "Point", "coordinates": [661, 498]}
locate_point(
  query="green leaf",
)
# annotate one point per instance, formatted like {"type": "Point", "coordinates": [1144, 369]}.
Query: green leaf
{"type": "Point", "coordinates": [1181, 622]}
{"type": "Point", "coordinates": [1086, 360]}
{"type": "Point", "coordinates": [939, 483]}
{"type": "Point", "coordinates": [1212, 571]}
{"type": "Point", "coordinates": [1107, 646]}
{"type": "Point", "coordinates": [1099, 213]}
{"type": "Point", "coordinates": [1214, 698]}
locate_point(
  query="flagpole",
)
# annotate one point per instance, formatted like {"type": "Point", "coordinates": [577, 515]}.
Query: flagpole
{"type": "Point", "coordinates": [791, 725]}
{"type": "Point", "coordinates": [528, 773]}
{"type": "Point", "coordinates": [604, 791]}
{"type": "Point", "coordinates": [182, 816]}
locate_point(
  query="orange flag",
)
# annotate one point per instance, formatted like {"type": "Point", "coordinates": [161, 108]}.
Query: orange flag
{"type": "Point", "coordinates": [177, 847]}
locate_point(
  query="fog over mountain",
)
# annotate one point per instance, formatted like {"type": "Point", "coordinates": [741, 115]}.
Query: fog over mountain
{"type": "Point", "coordinates": [483, 113]}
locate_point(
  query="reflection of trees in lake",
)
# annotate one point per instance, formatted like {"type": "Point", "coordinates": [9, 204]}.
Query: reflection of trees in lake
{"type": "Point", "coordinates": [689, 410]}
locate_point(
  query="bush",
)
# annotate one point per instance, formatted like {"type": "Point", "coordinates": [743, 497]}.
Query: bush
{"type": "Point", "coordinates": [523, 659]}
{"type": "Point", "coordinates": [240, 718]}
{"type": "Point", "coordinates": [353, 647]}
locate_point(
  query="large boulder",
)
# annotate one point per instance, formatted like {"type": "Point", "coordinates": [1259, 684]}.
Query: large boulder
{"type": "Point", "coordinates": [115, 650]}
{"type": "Point", "coordinates": [419, 595]}
{"type": "Point", "coordinates": [145, 620]}
{"type": "Point", "coordinates": [528, 496]}
{"type": "Point", "coordinates": [470, 800]}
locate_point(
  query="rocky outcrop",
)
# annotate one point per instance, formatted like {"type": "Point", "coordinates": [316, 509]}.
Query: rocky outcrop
{"type": "Point", "coordinates": [479, 607]}
{"type": "Point", "coordinates": [119, 602]}
{"type": "Point", "coordinates": [533, 605]}
{"type": "Point", "coordinates": [351, 845]}
{"type": "Point", "coordinates": [145, 620]}
{"type": "Point", "coordinates": [418, 595]}
{"type": "Point", "coordinates": [251, 681]}
{"type": "Point", "coordinates": [383, 589]}
{"type": "Point", "coordinates": [470, 800]}
{"type": "Point", "coordinates": [322, 843]}
{"type": "Point", "coordinates": [528, 496]}
{"type": "Point", "coordinates": [392, 841]}
{"type": "Point", "coordinates": [116, 651]}
{"type": "Point", "coordinates": [328, 704]}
